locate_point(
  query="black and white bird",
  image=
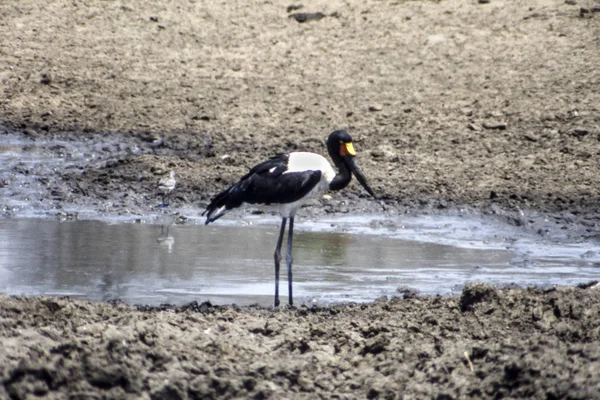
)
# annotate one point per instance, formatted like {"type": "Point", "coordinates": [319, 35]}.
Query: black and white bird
{"type": "Point", "coordinates": [286, 181]}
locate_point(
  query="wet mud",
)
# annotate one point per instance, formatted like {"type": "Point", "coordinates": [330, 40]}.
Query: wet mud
{"type": "Point", "coordinates": [489, 108]}
{"type": "Point", "coordinates": [487, 343]}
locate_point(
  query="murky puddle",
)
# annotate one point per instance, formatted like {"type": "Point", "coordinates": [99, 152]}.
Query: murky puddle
{"type": "Point", "coordinates": [354, 258]}
{"type": "Point", "coordinates": [337, 259]}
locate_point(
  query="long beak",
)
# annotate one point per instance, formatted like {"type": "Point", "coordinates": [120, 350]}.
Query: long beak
{"type": "Point", "coordinates": [359, 175]}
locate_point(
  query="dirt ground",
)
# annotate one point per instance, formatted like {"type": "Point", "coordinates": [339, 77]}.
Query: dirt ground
{"type": "Point", "coordinates": [488, 106]}
{"type": "Point", "coordinates": [489, 343]}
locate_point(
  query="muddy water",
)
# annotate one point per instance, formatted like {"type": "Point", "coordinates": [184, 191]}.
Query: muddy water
{"type": "Point", "coordinates": [32, 170]}
{"type": "Point", "coordinates": [355, 258]}
{"type": "Point", "coordinates": [231, 263]}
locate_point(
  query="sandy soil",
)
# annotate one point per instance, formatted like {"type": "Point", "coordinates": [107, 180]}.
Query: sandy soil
{"type": "Point", "coordinates": [494, 107]}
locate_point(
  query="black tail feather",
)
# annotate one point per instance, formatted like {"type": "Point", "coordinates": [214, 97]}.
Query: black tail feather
{"type": "Point", "coordinates": [222, 203]}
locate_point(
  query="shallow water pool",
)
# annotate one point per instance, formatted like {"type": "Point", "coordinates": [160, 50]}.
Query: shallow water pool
{"type": "Point", "coordinates": [335, 260]}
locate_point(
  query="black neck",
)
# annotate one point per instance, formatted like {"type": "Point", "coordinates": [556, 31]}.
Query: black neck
{"type": "Point", "coordinates": [344, 176]}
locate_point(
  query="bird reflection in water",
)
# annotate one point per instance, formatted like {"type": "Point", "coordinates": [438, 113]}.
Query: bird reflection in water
{"type": "Point", "coordinates": [166, 220]}
{"type": "Point", "coordinates": [166, 241]}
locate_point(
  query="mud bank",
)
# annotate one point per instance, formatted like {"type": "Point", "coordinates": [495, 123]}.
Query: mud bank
{"type": "Point", "coordinates": [100, 176]}
{"type": "Point", "coordinates": [487, 343]}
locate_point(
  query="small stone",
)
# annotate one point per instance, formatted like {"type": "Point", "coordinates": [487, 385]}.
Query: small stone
{"type": "Point", "coordinates": [113, 333]}
{"type": "Point", "coordinates": [383, 152]}
{"type": "Point", "coordinates": [494, 125]}
{"type": "Point", "coordinates": [407, 292]}
{"type": "Point", "coordinates": [294, 7]}
{"type": "Point", "coordinates": [30, 132]}
{"type": "Point", "coordinates": [304, 17]}
{"type": "Point", "coordinates": [435, 39]}
{"type": "Point", "coordinates": [158, 171]}
{"type": "Point", "coordinates": [530, 138]}
{"type": "Point", "coordinates": [483, 1]}
{"type": "Point", "coordinates": [533, 15]}
{"type": "Point", "coordinates": [589, 254]}
{"type": "Point", "coordinates": [571, 2]}
{"type": "Point", "coordinates": [45, 78]}
{"type": "Point", "coordinates": [375, 107]}
{"type": "Point", "coordinates": [579, 132]}
{"type": "Point", "coordinates": [153, 141]}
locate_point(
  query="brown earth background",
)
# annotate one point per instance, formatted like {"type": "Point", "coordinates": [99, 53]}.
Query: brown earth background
{"type": "Point", "coordinates": [451, 104]}
{"type": "Point", "coordinates": [414, 82]}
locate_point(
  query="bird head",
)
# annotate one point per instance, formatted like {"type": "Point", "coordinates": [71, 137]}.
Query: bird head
{"type": "Point", "coordinates": [341, 150]}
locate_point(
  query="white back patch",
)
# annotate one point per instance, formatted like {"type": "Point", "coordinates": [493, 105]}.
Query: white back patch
{"type": "Point", "coordinates": [304, 161]}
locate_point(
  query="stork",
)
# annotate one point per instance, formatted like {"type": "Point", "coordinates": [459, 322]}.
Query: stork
{"type": "Point", "coordinates": [286, 181]}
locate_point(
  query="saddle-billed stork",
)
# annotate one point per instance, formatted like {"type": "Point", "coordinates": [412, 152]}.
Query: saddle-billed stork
{"type": "Point", "coordinates": [287, 181]}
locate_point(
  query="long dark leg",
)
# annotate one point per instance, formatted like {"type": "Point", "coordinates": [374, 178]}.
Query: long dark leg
{"type": "Point", "coordinates": [277, 257]}
{"type": "Point", "coordinates": [289, 259]}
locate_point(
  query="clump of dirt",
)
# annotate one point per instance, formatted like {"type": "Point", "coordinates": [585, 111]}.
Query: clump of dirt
{"type": "Point", "coordinates": [475, 293]}
{"type": "Point", "coordinates": [518, 343]}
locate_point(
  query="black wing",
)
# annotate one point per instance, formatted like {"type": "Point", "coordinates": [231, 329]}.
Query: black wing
{"type": "Point", "coordinates": [266, 183]}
